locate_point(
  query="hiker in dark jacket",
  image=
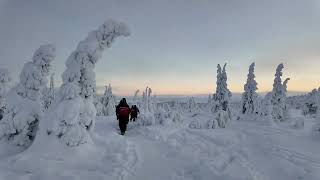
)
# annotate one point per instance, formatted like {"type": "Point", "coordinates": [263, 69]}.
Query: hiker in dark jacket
{"type": "Point", "coordinates": [134, 113]}
{"type": "Point", "coordinates": [123, 112]}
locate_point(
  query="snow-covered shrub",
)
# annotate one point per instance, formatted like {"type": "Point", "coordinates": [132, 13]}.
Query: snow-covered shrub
{"type": "Point", "coordinates": [74, 113]}
{"type": "Point", "coordinates": [223, 118]}
{"type": "Point", "coordinates": [162, 116]}
{"type": "Point", "coordinates": [192, 106]}
{"type": "Point", "coordinates": [4, 87]}
{"type": "Point", "coordinates": [278, 96]}
{"type": "Point", "coordinates": [311, 105]}
{"type": "Point", "coordinates": [48, 94]}
{"type": "Point", "coordinates": [175, 112]}
{"type": "Point", "coordinates": [20, 122]}
{"type": "Point", "coordinates": [108, 102]}
{"type": "Point", "coordinates": [212, 124]}
{"type": "Point", "coordinates": [297, 122]}
{"type": "Point", "coordinates": [197, 124]}
{"type": "Point", "coordinates": [249, 97]}
{"type": "Point", "coordinates": [146, 119]}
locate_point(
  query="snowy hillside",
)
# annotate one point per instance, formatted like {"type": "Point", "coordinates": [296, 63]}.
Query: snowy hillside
{"type": "Point", "coordinates": [245, 150]}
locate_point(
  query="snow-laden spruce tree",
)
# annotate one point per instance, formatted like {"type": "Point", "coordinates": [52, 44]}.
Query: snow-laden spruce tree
{"type": "Point", "coordinates": [20, 122]}
{"type": "Point", "coordinates": [221, 99]}
{"type": "Point", "coordinates": [48, 94]}
{"type": "Point", "coordinates": [223, 94]}
{"type": "Point", "coordinates": [5, 80]}
{"type": "Point", "coordinates": [250, 96]}
{"type": "Point", "coordinates": [74, 113]}
{"type": "Point", "coordinates": [278, 96]}
{"type": "Point", "coordinates": [108, 102]}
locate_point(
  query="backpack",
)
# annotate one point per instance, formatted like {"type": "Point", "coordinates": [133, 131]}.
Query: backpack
{"type": "Point", "coordinates": [124, 112]}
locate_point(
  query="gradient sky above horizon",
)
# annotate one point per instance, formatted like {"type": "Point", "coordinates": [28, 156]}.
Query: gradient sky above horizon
{"type": "Point", "coordinates": [174, 45]}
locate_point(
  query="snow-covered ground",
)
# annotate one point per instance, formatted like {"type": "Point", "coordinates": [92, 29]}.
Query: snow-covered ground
{"type": "Point", "coordinates": [246, 149]}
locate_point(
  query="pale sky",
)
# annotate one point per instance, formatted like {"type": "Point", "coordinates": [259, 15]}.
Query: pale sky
{"type": "Point", "coordinates": [174, 45]}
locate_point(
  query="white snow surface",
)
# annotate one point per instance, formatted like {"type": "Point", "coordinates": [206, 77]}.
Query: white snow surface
{"type": "Point", "coordinates": [247, 149]}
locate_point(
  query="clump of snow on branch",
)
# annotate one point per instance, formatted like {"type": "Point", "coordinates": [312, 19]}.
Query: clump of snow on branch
{"type": "Point", "coordinates": [5, 80]}
{"type": "Point", "coordinates": [20, 122]}
{"type": "Point", "coordinates": [74, 114]}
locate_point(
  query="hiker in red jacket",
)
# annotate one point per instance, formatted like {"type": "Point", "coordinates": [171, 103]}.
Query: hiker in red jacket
{"type": "Point", "coordinates": [123, 112]}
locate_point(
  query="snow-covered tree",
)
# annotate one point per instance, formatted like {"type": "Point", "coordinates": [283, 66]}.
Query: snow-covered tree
{"type": "Point", "coordinates": [278, 96]}
{"type": "Point", "coordinates": [74, 114]}
{"type": "Point", "coordinates": [4, 87]}
{"type": "Point", "coordinates": [249, 97]}
{"type": "Point", "coordinates": [147, 108]}
{"type": "Point", "coordinates": [192, 106]}
{"type": "Point", "coordinates": [20, 122]}
{"type": "Point", "coordinates": [223, 94]}
{"type": "Point", "coordinates": [221, 98]}
{"type": "Point", "coordinates": [108, 102]}
{"type": "Point", "coordinates": [48, 94]}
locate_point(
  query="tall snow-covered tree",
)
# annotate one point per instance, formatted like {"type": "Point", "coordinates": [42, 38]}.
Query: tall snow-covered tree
{"type": "Point", "coordinates": [74, 114]}
{"type": "Point", "coordinates": [108, 102]}
{"type": "Point", "coordinates": [221, 100]}
{"type": "Point", "coordinates": [4, 87]}
{"type": "Point", "coordinates": [249, 97]}
{"type": "Point", "coordinates": [278, 98]}
{"type": "Point", "coordinates": [20, 122]}
{"type": "Point", "coordinates": [223, 94]}
{"type": "Point", "coordinates": [48, 94]}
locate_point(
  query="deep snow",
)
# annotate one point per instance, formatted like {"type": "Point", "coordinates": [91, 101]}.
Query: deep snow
{"type": "Point", "coordinates": [246, 149]}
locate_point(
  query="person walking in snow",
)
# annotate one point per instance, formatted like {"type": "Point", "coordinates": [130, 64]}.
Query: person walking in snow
{"type": "Point", "coordinates": [123, 112]}
{"type": "Point", "coordinates": [134, 113]}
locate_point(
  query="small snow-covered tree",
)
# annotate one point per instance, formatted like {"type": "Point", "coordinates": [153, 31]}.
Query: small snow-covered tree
{"type": "Point", "coordinates": [74, 114]}
{"type": "Point", "coordinates": [108, 102]}
{"type": "Point", "coordinates": [20, 122]}
{"type": "Point", "coordinates": [4, 87]}
{"type": "Point", "coordinates": [278, 96]}
{"type": "Point", "coordinates": [249, 97]}
{"type": "Point", "coordinates": [147, 108]}
{"type": "Point", "coordinates": [192, 106]}
{"type": "Point", "coordinates": [48, 94]}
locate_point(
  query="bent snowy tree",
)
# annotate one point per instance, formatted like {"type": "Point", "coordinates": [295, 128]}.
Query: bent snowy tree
{"type": "Point", "coordinates": [74, 112]}
{"type": "Point", "coordinates": [20, 122]}
{"type": "Point", "coordinates": [278, 95]}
